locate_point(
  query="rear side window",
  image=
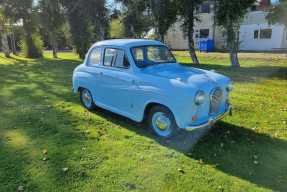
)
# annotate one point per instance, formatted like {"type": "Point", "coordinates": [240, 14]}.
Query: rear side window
{"type": "Point", "coordinates": [115, 58]}
{"type": "Point", "coordinates": [95, 57]}
{"type": "Point", "coordinates": [110, 57]}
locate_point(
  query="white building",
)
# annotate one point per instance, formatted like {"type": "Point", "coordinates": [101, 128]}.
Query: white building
{"type": "Point", "coordinates": [255, 32]}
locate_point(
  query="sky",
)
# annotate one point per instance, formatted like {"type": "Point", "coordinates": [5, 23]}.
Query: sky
{"type": "Point", "coordinates": [274, 1]}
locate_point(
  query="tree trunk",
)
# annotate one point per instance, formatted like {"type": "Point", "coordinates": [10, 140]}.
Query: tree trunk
{"type": "Point", "coordinates": [214, 21]}
{"type": "Point", "coordinates": [5, 45]}
{"type": "Point", "coordinates": [54, 45]}
{"type": "Point", "coordinates": [192, 47]}
{"type": "Point", "coordinates": [234, 59]}
{"type": "Point", "coordinates": [161, 38]}
{"type": "Point", "coordinates": [233, 43]}
{"type": "Point", "coordinates": [157, 34]}
{"type": "Point", "coordinates": [13, 43]}
{"type": "Point", "coordinates": [193, 56]}
{"type": "Point", "coordinates": [190, 32]}
{"type": "Point", "coordinates": [32, 51]}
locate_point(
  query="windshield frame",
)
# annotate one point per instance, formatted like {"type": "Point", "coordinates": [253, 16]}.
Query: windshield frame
{"type": "Point", "coordinates": [154, 63]}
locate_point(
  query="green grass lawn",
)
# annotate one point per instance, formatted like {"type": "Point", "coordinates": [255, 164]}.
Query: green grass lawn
{"type": "Point", "coordinates": [48, 142]}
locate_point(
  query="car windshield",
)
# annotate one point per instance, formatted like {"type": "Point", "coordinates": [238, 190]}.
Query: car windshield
{"type": "Point", "coordinates": [152, 55]}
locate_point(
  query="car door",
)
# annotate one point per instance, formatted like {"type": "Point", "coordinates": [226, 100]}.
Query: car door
{"type": "Point", "coordinates": [117, 82]}
{"type": "Point", "coordinates": [94, 72]}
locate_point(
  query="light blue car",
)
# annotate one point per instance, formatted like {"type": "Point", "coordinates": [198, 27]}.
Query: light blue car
{"type": "Point", "coordinates": [140, 79]}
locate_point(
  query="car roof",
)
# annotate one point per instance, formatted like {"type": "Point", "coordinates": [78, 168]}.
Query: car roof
{"type": "Point", "coordinates": [127, 42]}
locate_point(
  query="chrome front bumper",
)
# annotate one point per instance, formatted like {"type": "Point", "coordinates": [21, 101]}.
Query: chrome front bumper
{"type": "Point", "coordinates": [211, 121]}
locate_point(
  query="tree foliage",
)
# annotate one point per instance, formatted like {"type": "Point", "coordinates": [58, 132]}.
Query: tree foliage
{"type": "Point", "coordinates": [23, 10]}
{"type": "Point", "coordinates": [229, 15]}
{"type": "Point", "coordinates": [88, 20]}
{"type": "Point", "coordinates": [135, 17]}
{"type": "Point", "coordinates": [278, 13]}
{"type": "Point", "coordinates": [52, 19]}
{"type": "Point", "coordinates": [4, 32]}
{"type": "Point", "coordinates": [140, 16]}
{"type": "Point", "coordinates": [164, 14]}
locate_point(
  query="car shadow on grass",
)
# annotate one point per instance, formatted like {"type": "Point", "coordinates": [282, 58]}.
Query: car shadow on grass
{"type": "Point", "coordinates": [232, 149]}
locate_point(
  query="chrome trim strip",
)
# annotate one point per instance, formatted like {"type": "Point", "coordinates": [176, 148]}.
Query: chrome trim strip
{"type": "Point", "coordinates": [210, 122]}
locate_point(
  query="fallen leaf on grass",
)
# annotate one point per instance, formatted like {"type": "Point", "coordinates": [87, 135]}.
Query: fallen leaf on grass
{"type": "Point", "coordinates": [181, 170]}
{"type": "Point", "coordinates": [130, 186]}
{"type": "Point", "coordinates": [142, 158]}
{"type": "Point", "coordinates": [45, 151]}
{"type": "Point", "coordinates": [221, 145]}
{"type": "Point", "coordinates": [20, 188]}
{"type": "Point", "coordinates": [65, 169]}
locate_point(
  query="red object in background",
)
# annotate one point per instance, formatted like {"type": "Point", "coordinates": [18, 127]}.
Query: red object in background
{"type": "Point", "coordinates": [264, 3]}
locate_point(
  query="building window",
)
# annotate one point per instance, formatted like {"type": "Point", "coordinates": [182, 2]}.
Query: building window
{"type": "Point", "coordinates": [256, 34]}
{"type": "Point", "coordinates": [265, 33]}
{"type": "Point", "coordinates": [205, 8]}
{"type": "Point", "coordinates": [204, 33]}
{"type": "Point", "coordinates": [254, 8]}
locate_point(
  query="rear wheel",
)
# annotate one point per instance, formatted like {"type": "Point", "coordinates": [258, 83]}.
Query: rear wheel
{"type": "Point", "coordinates": [87, 99]}
{"type": "Point", "coordinates": [162, 122]}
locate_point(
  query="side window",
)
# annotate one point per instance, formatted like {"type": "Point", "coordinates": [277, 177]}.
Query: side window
{"type": "Point", "coordinates": [121, 60]}
{"type": "Point", "coordinates": [115, 58]}
{"type": "Point", "coordinates": [110, 57]}
{"type": "Point", "coordinates": [95, 57]}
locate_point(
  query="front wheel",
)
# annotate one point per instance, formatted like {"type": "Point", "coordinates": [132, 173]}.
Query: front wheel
{"type": "Point", "coordinates": [87, 99]}
{"type": "Point", "coordinates": [162, 122]}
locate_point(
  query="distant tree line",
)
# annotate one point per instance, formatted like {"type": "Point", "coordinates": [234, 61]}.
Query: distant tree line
{"type": "Point", "coordinates": [30, 25]}
{"type": "Point", "coordinates": [53, 24]}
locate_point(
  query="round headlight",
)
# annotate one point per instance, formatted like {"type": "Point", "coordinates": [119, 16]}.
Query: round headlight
{"type": "Point", "coordinates": [199, 98]}
{"type": "Point", "coordinates": [229, 87]}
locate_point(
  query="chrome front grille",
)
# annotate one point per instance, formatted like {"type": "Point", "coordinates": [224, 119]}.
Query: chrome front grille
{"type": "Point", "coordinates": [216, 97]}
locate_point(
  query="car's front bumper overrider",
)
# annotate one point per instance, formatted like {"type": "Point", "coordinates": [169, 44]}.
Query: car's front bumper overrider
{"type": "Point", "coordinates": [211, 121]}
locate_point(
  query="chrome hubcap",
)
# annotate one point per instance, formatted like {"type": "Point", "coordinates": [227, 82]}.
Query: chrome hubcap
{"type": "Point", "coordinates": [161, 124]}
{"type": "Point", "coordinates": [87, 98]}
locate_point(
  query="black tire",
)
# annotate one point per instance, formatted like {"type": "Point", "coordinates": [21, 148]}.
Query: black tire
{"type": "Point", "coordinates": [172, 128]}
{"type": "Point", "coordinates": [91, 106]}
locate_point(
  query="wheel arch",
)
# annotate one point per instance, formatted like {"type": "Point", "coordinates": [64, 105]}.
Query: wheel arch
{"type": "Point", "coordinates": [80, 88]}
{"type": "Point", "coordinates": [150, 105]}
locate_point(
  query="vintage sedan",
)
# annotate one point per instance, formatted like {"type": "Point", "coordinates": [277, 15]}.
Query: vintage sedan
{"type": "Point", "coordinates": [141, 79]}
